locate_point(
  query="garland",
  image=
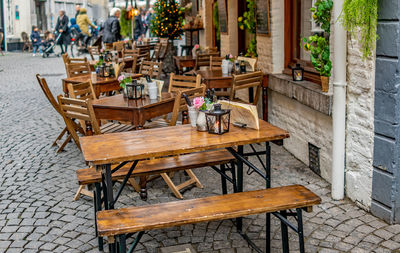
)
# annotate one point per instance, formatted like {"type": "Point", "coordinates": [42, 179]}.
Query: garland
{"type": "Point", "coordinates": [360, 18]}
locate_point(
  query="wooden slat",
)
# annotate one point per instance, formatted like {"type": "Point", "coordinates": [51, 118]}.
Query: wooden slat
{"type": "Point", "coordinates": [150, 143]}
{"type": "Point", "coordinates": [80, 116]}
{"type": "Point", "coordinates": [185, 84]}
{"type": "Point", "coordinates": [74, 108]}
{"type": "Point", "coordinates": [161, 165]}
{"type": "Point", "coordinates": [178, 213]}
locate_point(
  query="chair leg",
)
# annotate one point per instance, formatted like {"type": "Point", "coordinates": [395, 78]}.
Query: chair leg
{"type": "Point", "coordinates": [193, 177]}
{"type": "Point", "coordinates": [59, 137]}
{"type": "Point", "coordinates": [171, 185]}
{"type": "Point", "coordinates": [62, 146]}
{"type": "Point", "coordinates": [83, 191]}
{"type": "Point", "coordinates": [134, 184]}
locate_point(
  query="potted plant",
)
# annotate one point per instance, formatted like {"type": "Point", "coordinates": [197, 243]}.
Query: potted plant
{"type": "Point", "coordinates": [319, 50]}
{"type": "Point", "coordinates": [202, 105]}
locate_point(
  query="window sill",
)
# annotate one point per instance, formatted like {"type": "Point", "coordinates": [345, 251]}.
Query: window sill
{"type": "Point", "coordinates": [305, 92]}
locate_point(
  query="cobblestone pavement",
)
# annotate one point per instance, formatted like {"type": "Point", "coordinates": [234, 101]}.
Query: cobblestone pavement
{"type": "Point", "coordinates": [37, 213]}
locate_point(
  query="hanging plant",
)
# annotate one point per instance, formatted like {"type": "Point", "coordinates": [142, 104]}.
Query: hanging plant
{"type": "Point", "coordinates": [216, 21]}
{"type": "Point", "coordinates": [321, 13]}
{"type": "Point", "coordinates": [248, 21]}
{"type": "Point", "coordinates": [360, 18]}
{"type": "Point", "coordinates": [126, 24]}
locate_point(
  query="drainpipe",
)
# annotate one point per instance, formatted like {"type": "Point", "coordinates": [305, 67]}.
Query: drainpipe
{"type": "Point", "coordinates": [339, 103]}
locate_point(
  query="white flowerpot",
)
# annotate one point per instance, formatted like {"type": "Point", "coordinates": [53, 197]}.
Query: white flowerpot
{"type": "Point", "coordinates": [193, 114]}
{"type": "Point", "coordinates": [153, 92]}
{"type": "Point", "coordinates": [225, 67]}
{"type": "Point", "coordinates": [201, 123]}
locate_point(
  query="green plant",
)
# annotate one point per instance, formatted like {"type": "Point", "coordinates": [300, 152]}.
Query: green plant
{"type": "Point", "coordinates": [319, 50]}
{"type": "Point", "coordinates": [248, 21]}
{"type": "Point", "coordinates": [123, 81]}
{"type": "Point", "coordinates": [216, 21]}
{"type": "Point", "coordinates": [126, 24]}
{"type": "Point", "coordinates": [168, 21]}
{"type": "Point", "coordinates": [321, 13]}
{"type": "Point", "coordinates": [359, 18]}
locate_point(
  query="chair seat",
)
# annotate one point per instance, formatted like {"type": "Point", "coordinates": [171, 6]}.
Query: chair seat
{"type": "Point", "coordinates": [160, 122]}
{"type": "Point", "coordinates": [115, 128]}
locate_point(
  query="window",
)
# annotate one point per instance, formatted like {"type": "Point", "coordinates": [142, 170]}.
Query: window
{"type": "Point", "coordinates": [299, 24]}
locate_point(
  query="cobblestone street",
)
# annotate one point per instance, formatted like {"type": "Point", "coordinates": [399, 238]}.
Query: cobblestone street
{"type": "Point", "coordinates": [38, 214]}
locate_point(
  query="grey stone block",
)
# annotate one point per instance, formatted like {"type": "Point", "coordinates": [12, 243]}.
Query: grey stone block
{"type": "Point", "coordinates": [382, 187]}
{"type": "Point", "coordinates": [386, 78]}
{"type": "Point", "coordinates": [388, 33]}
{"type": "Point", "coordinates": [388, 9]}
{"type": "Point", "coordinates": [381, 211]}
{"type": "Point", "coordinates": [385, 106]}
{"type": "Point", "coordinates": [384, 153]}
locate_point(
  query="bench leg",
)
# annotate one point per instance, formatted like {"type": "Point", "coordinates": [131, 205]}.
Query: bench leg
{"type": "Point", "coordinates": [300, 229]}
{"type": "Point", "coordinates": [143, 190]}
{"type": "Point", "coordinates": [122, 243]}
{"type": "Point", "coordinates": [223, 179]}
{"type": "Point", "coordinates": [234, 176]}
{"type": "Point", "coordinates": [239, 221]}
{"type": "Point", "coordinates": [268, 185]}
{"type": "Point", "coordinates": [97, 207]}
{"type": "Point", "coordinates": [285, 236]}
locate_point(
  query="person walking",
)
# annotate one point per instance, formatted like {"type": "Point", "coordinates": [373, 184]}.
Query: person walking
{"type": "Point", "coordinates": [140, 26]}
{"type": "Point", "coordinates": [62, 27]}
{"type": "Point", "coordinates": [83, 22]}
{"type": "Point", "coordinates": [77, 9]}
{"type": "Point", "coordinates": [36, 41]}
{"type": "Point", "coordinates": [112, 28]}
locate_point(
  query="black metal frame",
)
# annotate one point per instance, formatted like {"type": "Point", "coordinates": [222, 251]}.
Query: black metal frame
{"type": "Point", "coordinates": [119, 245]}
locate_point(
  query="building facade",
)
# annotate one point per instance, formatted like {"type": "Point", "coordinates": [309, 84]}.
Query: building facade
{"type": "Point", "coordinates": [372, 134]}
{"type": "Point", "coordinates": [20, 15]}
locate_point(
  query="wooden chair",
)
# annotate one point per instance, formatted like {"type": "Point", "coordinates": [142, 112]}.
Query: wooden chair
{"type": "Point", "coordinates": [108, 46]}
{"type": "Point", "coordinates": [77, 69]}
{"type": "Point", "coordinates": [68, 60]}
{"type": "Point", "coordinates": [82, 110]}
{"type": "Point", "coordinates": [156, 52]}
{"type": "Point", "coordinates": [81, 91]}
{"type": "Point", "coordinates": [127, 53]}
{"type": "Point", "coordinates": [93, 50]}
{"type": "Point", "coordinates": [179, 106]}
{"type": "Point", "coordinates": [130, 64]}
{"type": "Point", "coordinates": [215, 62]}
{"type": "Point", "coordinates": [118, 46]}
{"type": "Point", "coordinates": [27, 42]}
{"type": "Point", "coordinates": [76, 127]}
{"type": "Point", "coordinates": [246, 81]}
{"type": "Point", "coordinates": [203, 60]}
{"type": "Point", "coordinates": [178, 82]}
{"type": "Point", "coordinates": [151, 68]}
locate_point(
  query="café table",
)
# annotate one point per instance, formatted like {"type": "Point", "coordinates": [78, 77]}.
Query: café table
{"type": "Point", "coordinates": [102, 151]}
{"type": "Point", "coordinates": [100, 84]}
{"type": "Point", "coordinates": [136, 111]}
{"type": "Point", "coordinates": [184, 62]}
{"type": "Point", "coordinates": [215, 78]}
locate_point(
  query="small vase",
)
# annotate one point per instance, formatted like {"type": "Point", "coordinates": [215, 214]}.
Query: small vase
{"type": "Point", "coordinates": [201, 123]}
{"type": "Point", "coordinates": [225, 67]}
{"type": "Point", "coordinates": [193, 114]}
{"type": "Point", "coordinates": [230, 67]}
{"type": "Point", "coordinates": [325, 83]}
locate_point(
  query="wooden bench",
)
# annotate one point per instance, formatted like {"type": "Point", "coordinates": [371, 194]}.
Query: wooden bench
{"type": "Point", "coordinates": [160, 167]}
{"type": "Point", "coordinates": [116, 224]}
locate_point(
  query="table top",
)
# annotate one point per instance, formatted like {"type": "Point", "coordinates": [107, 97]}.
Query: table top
{"type": "Point", "coordinates": [215, 74]}
{"type": "Point", "coordinates": [95, 79]}
{"type": "Point", "coordinates": [120, 102]}
{"type": "Point", "coordinates": [184, 58]}
{"type": "Point", "coordinates": [136, 145]}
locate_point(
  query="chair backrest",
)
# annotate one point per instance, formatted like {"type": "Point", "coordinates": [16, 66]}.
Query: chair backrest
{"type": "Point", "coordinates": [93, 50]}
{"type": "Point", "coordinates": [178, 82]}
{"type": "Point", "coordinates": [180, 102]}
{"type": "Point", "coordinates": [151, 68]}
{"type": "Point", "coordinates": [204, 60]}
{"type": "Point", "coordinates": [45, 88]}
{"type": "Point", "coordinates": [81, 90]}
{"type": "Point", "coordinates": [118, 46]}
{"type": "Point", "coordinates": [164, 47]}
{"type": "Point", "coordinates": [24, 37]}
{"type": "Point", "coordinates": [212, 50]}
{"type": "Point", "coordinates": [108, 46]}
{"type": "Point", "coordinates": [246, 81]}
{"type": "Point", "coordinates": [130, 64]}
{"type": "Point", "coordinates": [82, 110]}
{"type": "Point", "coordinates": [78, 69]}
{"type": "Point", "coordinates": [215, 62]}
{"type": "Point", "coordinates": [156, 52]}
{"type": "Point", "coordinates": [127, 53]}
{"type": "Point", "coordinates": [68, 60]}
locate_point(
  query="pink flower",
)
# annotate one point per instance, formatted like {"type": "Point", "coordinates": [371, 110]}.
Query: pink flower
{"type": "Point", "coordinates": [121, 78]}
{"type": "Point", "coordinates": [230, 56]}
{"type": "Point", "coordinates": [196, 46]}
{"type": "Point", "coordinates": [198, 102]}
{"type": "Point", "coordinates": [101, 50]}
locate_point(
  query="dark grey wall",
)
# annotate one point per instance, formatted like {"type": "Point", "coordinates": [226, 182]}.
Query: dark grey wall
{"type": "Point", "coordinates": [386, 174]}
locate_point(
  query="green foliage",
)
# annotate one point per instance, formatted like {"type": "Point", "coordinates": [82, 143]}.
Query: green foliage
{"type": "Point", "coordinates": [248, 21]}
{"type": "Point", "coordinates": [125, 81]}
{"type": "Point", "coordinates": [216, 21]}
{"type": "Point", "coordinates": [360, 17]}
{"type": "Point", "coordinates": [321, 13]}
{"type": "Point", "coordinates": [168, 21]}
{"type": "Point", "coordinates": [126, 25]}
{"type": "Point", "coordinates": [318, 46]}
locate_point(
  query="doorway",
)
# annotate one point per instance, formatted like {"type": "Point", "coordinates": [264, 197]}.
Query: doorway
{"type": "Point", "coordinates": [41, 15]}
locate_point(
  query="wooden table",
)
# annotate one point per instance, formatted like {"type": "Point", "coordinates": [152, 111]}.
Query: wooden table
{"type": "Point", "coordinates": [100, 84]}
{"type": "Point", "coordinates": [184, 62]}
{"type": "Point", "coordinates": [215, 79]}
{"type": "Point", "coordinates": [136, 111]}
{"type": "Point", "coordinates": [119, 148]}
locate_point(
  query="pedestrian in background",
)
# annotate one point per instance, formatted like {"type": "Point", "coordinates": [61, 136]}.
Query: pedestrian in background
{"type": "Point", "coordinates": [140, 26]}
{"type": "Point", "coordinates": [112, 28]}
{"type": "Point", "coordinates": [77, 9]}
{"type": "Point", "coordinates": [62, 28]}
{"type": "Point", "coordinates": [36, 41]}
{"type": "Point", "coordinates": [149, 18]}
{"type": "Point", "coordinates": [83, 22]}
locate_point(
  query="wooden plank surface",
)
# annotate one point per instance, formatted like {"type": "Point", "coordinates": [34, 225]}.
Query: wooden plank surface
{"type": "Point", "coordinates": [158, 142]}
{"type": "Point", "coordinates": [177, 213]}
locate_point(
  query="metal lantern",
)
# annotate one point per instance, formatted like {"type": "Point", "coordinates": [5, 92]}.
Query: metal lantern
{"type": "Point", "coordinates": [134, 90]}
{"type": "Point", "coordinates": [106, 70]}
{"type": "Point", "coordinates": [297, 73]}
{"type": "Point", "coordinates": [108, 56]}
{"type": "Point", "coordinates": [100, 70]}
{"type": "Point", "coordinates": [218, 120]}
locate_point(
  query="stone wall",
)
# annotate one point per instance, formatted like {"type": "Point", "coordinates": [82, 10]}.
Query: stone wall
{"type": "Point", "coordinates": [359, 125]}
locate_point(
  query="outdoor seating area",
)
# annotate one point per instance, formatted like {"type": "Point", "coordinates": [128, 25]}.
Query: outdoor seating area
{"type": "Point", "coordinates": [132, 129]}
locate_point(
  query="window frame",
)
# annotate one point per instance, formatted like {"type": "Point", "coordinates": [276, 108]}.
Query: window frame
{"type": "Point", "coordinates": [292, 40]}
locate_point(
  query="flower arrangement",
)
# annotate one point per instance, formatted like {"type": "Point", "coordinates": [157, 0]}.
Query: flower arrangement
{"type": "Point", "coordinates": [202, 104]}
{"type": "Point", "coordinates": [123, 80]}
{"type": "Point", "coordinates": [230, 58]}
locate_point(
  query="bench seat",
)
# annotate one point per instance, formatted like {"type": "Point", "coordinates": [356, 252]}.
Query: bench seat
{"type": "Point", "coordinates": [142, 218]}
{"type": "Point", "coordinates": [160, 165]}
